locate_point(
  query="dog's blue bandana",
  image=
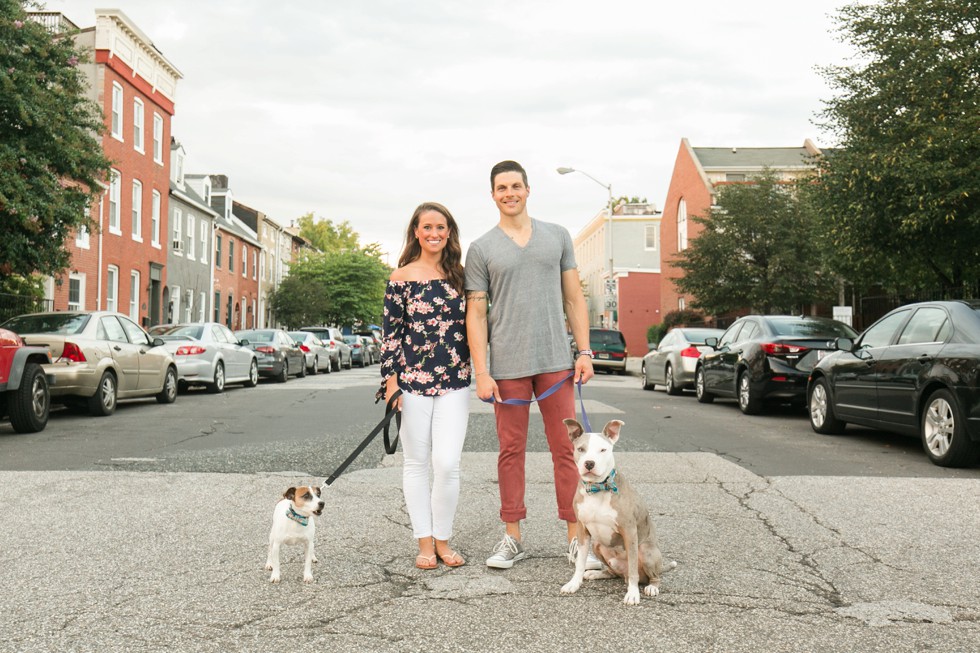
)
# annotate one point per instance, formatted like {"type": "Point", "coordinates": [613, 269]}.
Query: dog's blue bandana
{"type": "Point", "coordinates": [296, 517]}
{"type": "Point", "coordinates": [608, 484]}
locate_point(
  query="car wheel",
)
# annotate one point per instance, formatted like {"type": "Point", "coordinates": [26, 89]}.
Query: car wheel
{"type": "Point", "coordinates": [700, 389]}
{"type": "Point", "coordinates": [218, 384]}
{"type": "Point", "coordinates": [944, 436]}
{"type": "Point", "coordinates": [168, 394]}
{"type": "Point", "coordinates": [253, 374]}
{"type": "Point", "coordinates": [644, 379]}
{"type": "Point", "coordinates": [747, 401]}
{"type": "Point", "coordinates": [316, 366]}
{"type": "Point", "coordinates": [302, 369]}
{"type": "Point", "coordinates": [30, 404]}
{"type": "Point", "coordinates": [350, 363]}
{"type": "Point", "coordinates": [335, 365]}
{"type": "Point", "coordinates": [672, 388]}
{"type": "Point", "coordinates": [284, 373]}
{"type": "Point", "coordinates": [822, 418]}
{"type": "Point", "coordinates": [103, 402]}
{"type": "Point", "coordinates": [329, 368]}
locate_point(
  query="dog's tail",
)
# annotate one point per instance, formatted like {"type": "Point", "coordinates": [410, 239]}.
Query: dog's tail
{"type": "Point", "coordinates": [668, 566]}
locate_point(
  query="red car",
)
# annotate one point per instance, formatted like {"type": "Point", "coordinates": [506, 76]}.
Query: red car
{"type": "Point", "coordinates": [24, 394]}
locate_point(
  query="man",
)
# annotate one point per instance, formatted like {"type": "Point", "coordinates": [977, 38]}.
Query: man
{"type": "Point", "coordinates": [521, 285]}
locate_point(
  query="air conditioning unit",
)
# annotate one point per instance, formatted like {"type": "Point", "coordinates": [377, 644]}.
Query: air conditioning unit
{"type": "Point", "coordinates": [177, 246]}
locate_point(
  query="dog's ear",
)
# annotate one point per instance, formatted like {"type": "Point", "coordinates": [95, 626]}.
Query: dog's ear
{"type": "Point", "coordinates": [290, 494]}
{"type": "Point", "coordinates": [316, 489]}
{"type": "Point", "coordinates": [574, 428]}
{"type": "Point", "coordinates": [611, 429]}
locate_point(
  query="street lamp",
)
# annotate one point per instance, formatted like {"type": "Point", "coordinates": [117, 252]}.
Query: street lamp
{"type": "Point", "coordinates": [609, 225]}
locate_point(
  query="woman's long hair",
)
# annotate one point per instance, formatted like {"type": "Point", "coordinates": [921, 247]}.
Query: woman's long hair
{"type": "Point", "coordinates": [452, 253]}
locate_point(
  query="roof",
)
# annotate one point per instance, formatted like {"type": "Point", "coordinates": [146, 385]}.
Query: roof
{"type": "Point", "coordinates": [753, 157]}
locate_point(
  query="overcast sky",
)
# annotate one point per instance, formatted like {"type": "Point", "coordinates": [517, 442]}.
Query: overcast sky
{"type": "Point", "coordinates": [361, 110]}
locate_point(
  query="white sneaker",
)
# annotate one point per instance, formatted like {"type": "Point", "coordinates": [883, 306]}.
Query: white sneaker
{"type": "Point", "coordinates": [591, 562]}
{"type": "Point", "coordinates": [506, 553]}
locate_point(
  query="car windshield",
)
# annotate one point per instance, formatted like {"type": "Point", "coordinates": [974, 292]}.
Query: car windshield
{"type": "Point", "coordinates": [62, 323]}
{"type": "Point", "coordinates": [794, 326]}
{"type": "Point", "coordinates": [194, 331]}
{"type": "Point", "coordinates": [352, 340]}
{"type": "Point", "coordinates": [606, 338]}
{"type": "Point", "coordinates": [697, 336]}
{"type": "Point", "coordinates": [298, 336]}
{"type": "Point", "coordinates": [257, 336]}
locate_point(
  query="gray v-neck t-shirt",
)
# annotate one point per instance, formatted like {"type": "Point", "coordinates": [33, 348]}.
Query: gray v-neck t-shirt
{"type": "Point", "coordinates": [525, 312]}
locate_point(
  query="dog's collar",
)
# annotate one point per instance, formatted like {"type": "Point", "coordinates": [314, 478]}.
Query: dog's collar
{"type": "Point", "coordinates": [608, 484]}
{"type": "Point", "coordinates": [296, 517]}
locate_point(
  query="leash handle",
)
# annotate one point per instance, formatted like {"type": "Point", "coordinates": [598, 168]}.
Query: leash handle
{"type": "Point", "coordinates": [547, 393]}
{"type": "Point", "coordinates": [390, 446]}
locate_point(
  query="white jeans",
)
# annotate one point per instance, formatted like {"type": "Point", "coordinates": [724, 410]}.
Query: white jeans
{"type": "Point", "coordinates": [433, 428]}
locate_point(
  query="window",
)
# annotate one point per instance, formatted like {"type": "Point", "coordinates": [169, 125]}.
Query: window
{"type": "Point", "coordinates": [228, 317]}
{"type": "Point", "coordinates": [138, 113]}
{"type": "Point", "coordinates": [881, 332]}
{"type": "Point", "coordinates": [244, 261]}
{"type": "Point", "coordinates": [113, 331]}
{"type": "Point", "coordinates": [204, 241]}
{"type": "Point", "coordinates": [262, 270]}
{"type": "Point", "coordinates": [189, 306]}
{"type": "Point", "coordinates": [217, 256]}
{"type": "Point", "coordinates": [157, 138]}
{"type": "Point", "coordinates": [117, 111]}
{"type": "Point", "coordinates": [155, 218]}
{"type": "Point", "coordinates": [681, 226]}
{"type": "Point", "coordinates": [135, 334]}
{"type": "Point", "coordinates": [241, 313]}
{"type": "Point", "coordinates": [651, 233]}
{"type": "Point", "coordinates": [202, 307]}
{"type": "Point", "coordinates": [231, 255]}
{"type": "Point", "coordinates": [178, 235]}
{"type": "Point", "coordinates": [114, 194]}
{"type": "Point", "coordinates": [112, 289]}
{"type": "Point", "coordinates": [927, 325]}
{"type": "Point", "coordinates": [76, 292]}
{"type": "Point", "coordinates": [255, 264]}
{"type": "Point", "coordinates": [681, 304]}
{"type": "Point", "coordinates": [137, 210]}
{"type": "Point", "coordinates": [729, 176]}
{"type": "Point", "coordinates": [217, 305]}
{"type": "Point", "coordinates": [134, 295]}
{"type": "Point", "coordinates": [191, 236]}
{"type": "Point", "coordinates": [82, 237]}
{"type": "Point", "coordinates": [174, 304]}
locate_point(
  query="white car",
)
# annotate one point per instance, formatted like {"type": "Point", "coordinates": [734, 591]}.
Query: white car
{"type": "Point", "coordinates": [209, 354]}
{"type": "Point", "coordinates": [317, 354]}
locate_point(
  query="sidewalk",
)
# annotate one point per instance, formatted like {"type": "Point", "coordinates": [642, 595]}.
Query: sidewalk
{"type": "Point", "coordinates": [174, 562]}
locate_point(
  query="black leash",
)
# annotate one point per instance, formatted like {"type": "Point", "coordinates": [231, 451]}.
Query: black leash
{"type": "Point", "coordinates": [391, 445]}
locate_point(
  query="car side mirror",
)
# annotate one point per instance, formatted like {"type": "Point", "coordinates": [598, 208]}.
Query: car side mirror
{"type": "Point", "coordinates": [157, 342]}
{"type": "Point", "coordinates": [711, 342]}
{"type": "Point", "coordinates": [243, 343]}
{"type": "Point", "coordinates": [844, 344]}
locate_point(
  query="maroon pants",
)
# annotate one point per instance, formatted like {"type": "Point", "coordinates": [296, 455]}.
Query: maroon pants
{"type": "Point", "coordinates": [512, 423]}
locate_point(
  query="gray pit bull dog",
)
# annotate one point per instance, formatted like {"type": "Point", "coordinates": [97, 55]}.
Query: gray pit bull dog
{"type": "Point", "coordinates": [613, 517]}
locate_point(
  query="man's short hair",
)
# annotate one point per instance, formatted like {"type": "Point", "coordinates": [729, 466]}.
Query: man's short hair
{"type": "Point", "coordinates": [507, 166]}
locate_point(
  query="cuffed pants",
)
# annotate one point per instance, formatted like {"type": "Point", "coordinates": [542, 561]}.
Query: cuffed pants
{"type": "Point", "coordinates": [512, 423]}
{"type": "Point", "coordinates": [433, 430]}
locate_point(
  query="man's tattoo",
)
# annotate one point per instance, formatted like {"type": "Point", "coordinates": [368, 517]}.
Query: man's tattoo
{"type": "Point", "coordinates": [476, 296]}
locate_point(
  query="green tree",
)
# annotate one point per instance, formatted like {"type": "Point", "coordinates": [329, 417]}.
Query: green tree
{"type": "Point", "coordinates": [327, 236]}
{"type": "Point", "coordinates": [51, 162]}
{"type": "Point", "coordinates": [758, 251]}
{"type": "Point", "coordinates": [339, 288]}
{"type": "Point", "coordinates": [901, 197]}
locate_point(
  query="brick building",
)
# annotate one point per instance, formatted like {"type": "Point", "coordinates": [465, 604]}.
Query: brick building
{"type": "Point", "coordinates": [698, 174]}
{"type": "Point", "coordinates": [123, 265]}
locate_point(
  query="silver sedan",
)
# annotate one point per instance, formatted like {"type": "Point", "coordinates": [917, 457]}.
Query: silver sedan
{"type": "Point", "coordinates": [316, 353]}
{"type": "Point", "coordinates": [209, 354]}
{"type": "Point", "coordinates": [674, 360]}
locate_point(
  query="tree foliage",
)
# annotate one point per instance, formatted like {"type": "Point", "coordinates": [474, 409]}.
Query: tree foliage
{"type": "Point", "coordinates": [327, 236]}
{"type": "Point", "coordinates": [336, 288]}
{"type": "Point", "coordinates": [759, 250]}
{"type": "Point", "coordinates": [51, 162]}
{"type": "Point", "coordinates": [901, 197]}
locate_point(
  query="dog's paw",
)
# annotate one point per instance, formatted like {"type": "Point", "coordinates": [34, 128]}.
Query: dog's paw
{"type": "Point", "coordinates": [570, 587]}
{"type": "Point", "coordinates": [651, 590]}
{"type": "Point", "coordinates": [274, 578]}
{"type": "Point", "coordinates": [268, 566]}
{"type": "Point", "coordinates": [632, 596]}
{"type": "Point", "coordinates": [315, 561]}
{"type": "Point", "coordinates": [307, 578]}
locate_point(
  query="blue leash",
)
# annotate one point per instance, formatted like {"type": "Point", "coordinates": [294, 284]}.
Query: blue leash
{"type": "Point", "coordinates": [544, 395]}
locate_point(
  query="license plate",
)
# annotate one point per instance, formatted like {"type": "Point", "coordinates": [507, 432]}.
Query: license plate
{"type": "Point", "coordinates": [602, 355]}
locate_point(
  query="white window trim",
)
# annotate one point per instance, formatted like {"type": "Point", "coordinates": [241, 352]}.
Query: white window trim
{"type": "Point", "coordinates": [681, 225]}
{"type": "Point", "coordinates": [139, 135]}
{"type": "Point", "coordinates": [189, 305]}
{"type": "Point", "coordinates": [134, 296]}
{"type": "Point", "coordinates": [116, 123]}
{"type": "Point", "coordinates": [178, 234]}
{"type": "Point", "coordinates": [656, 237]}
{"type": "Point", "coordinates": [202, 308]}
{"type": "Point", "coordinates": [112, 288]}
{"type": "Point", "coordinates": [137, 211]}
{"type": "Point", "coordinates": [80, 277]}
{"type": "Point", "coordinates": [175, 304]}
{"type": "Point", "coordinates": [204, 242]}
{"type": "Point", "coordinates": [115, 196]}
{"type": "Point", "coordinates": [155, 218]}
{"type": "Point", "coordinates": [244, 261]}
{"type": "Point", "coordinates": [82, 237]}
{"type": "Point", "coordinates": [157, 138]}
{"type": "Point", "coordinates": [191, 236]}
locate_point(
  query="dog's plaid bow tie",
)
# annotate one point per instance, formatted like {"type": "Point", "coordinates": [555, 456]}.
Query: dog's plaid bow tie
{"type": "Point", "coordinates": [608, 484]}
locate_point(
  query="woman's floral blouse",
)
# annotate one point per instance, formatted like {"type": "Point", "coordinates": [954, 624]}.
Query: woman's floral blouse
{"type": "Point", "coordinates": [424, 338]}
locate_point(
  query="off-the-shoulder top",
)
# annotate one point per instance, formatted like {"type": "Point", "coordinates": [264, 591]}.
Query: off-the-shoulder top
{"type": "Point", "coordinates": [424, 338]}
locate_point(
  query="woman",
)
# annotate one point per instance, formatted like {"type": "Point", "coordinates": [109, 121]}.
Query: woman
{"type": "Point", "coordinates": [424, 353]}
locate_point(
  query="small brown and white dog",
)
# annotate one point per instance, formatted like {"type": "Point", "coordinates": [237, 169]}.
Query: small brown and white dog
{"type": "Point", "coordinates": [613, 517]}
{"type": "Point", "coordinates": [292, 523]}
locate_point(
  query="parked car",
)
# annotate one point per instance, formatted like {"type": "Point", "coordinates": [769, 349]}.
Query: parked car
{"type": "Point", "coordinates": [333, 339]}
{"type": "Point", "coordinates": [209, 354]}
{"type": "Point", "coordinates": [278, 355]}
{"type": "Point", "coordinates": [99, 357]}
{"type": "Point", "coordinates": [24, 385]}
{"type": "Point", "coordinates": [916, 371]}
{"type": "Point", "coordinates": [373, 342]}
{"type": "Point", "coordinates": [316, 354]}
{"type": "Point", "coordinates": [673, 361]}
{"type": "Point", "coordinates": [608, 350]}
{"type": "Point", "coordinates": [765, 357]}
{"type": "Point", "coordinates": [359, 350]}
